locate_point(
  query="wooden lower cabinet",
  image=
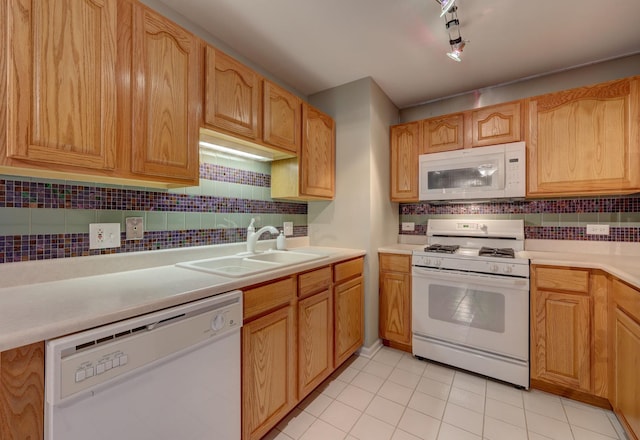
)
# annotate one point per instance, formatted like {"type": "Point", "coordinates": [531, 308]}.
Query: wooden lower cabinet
{"type": "Point", "coordinates": [297, 331]}
{"type": "Point", "coordinates": [569, 351]}
{"type": "Point", "coordinates": [395, 300]}
{"type": "Point", "coordinates": [268, 371]}
{"type": "Point", "coordinates": [349, 309]}
{"type": "Point", "coordinates": [625, 361]}
{"type": "Point", "coordinates": [268, 356]}
{"type": "Point", "coordinates": [22, 393]}
{"type": "Point", "coordinates": [315, 341]}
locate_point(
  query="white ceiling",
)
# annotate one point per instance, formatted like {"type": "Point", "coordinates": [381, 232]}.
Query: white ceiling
{"type": "Point", "coordinates": [313, 45]}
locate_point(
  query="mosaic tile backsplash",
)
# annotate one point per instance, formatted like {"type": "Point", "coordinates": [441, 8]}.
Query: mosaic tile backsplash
{"type": "Point", "coordinates": [563, 219]}
{"type": "Point", "coordinates": [44, 219]}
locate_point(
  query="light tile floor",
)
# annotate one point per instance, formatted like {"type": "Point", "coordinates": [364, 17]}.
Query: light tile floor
{"type": "Point", "coordinates": [396, 397]}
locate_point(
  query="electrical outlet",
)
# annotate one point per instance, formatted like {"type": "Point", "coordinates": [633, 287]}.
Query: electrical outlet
{"type": "Point", "coordinates": [134, 228]}
{"type": "Point", "coordinates": [597, 229]}
{"type": "Point", "coordinates": [288, 228]}
{"type": "Point", "coordinates": [104, 235]}
{"type": "Point", "coordinates": [408, 226]}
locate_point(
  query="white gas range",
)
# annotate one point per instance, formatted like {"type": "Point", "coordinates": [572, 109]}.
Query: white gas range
{"type": "Point", "coordinates": [470, 298]}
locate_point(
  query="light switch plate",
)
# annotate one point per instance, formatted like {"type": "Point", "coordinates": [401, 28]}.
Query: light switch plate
{"type": "Point", "coordinates": [288, 228]}
{"type": "Point", "coordinates": [134, 228]}
{"type": "Point", "coordinates": [104, 235]}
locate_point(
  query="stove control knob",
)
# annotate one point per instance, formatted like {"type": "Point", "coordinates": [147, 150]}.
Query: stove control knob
{"type": "Point", "coordinates": [507, 269]}
{"type": "Point", "coordinates": [494, 268]}
{"type": "Point", "coordinates": [438, 262]}
{"type": "Point", "coordinates": [427, 261]}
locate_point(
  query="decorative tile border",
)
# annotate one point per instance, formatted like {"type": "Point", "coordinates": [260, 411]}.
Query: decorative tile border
{"type": "Point", "coordinates": [563, 206]}
{"type": "Point", "coordinates": [16, 248]}
{"type": "Point", "coordinates": [629, 235]}
{"type": "Point", "coordinates": [609, 205]}
{"type": "Point", "coordinates": [233, 175]}
{"type": "Point", "coordinates": [23, 194]}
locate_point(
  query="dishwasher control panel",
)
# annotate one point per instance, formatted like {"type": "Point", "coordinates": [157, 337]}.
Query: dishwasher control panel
{"type": "Point", "coordinates": [88, 360]}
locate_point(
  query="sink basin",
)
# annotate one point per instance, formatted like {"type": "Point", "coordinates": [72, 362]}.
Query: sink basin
{"type": "Point", "coordinates": [230, 266]}
{"type": "Point", "coordinates": [285, 257]}
{"type": "Point", "coordinates": [242, 265]}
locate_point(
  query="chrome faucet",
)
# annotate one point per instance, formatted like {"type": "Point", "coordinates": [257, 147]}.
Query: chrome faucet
{"type": "Point", "coordinates": [252, 237]}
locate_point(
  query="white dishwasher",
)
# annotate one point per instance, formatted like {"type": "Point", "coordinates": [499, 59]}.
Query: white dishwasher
{"type": "Point", "coordinates": [171, 374]}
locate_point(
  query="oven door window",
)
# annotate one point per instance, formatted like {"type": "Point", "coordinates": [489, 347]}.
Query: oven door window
{"type": "Point", "coordinates": [473, 308]}
{"type": "Point", "coordinates": [486, 313]}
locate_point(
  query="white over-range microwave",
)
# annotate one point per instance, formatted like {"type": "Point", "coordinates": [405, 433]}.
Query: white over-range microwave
{"type": "Point", "coordinates": [474, 174]}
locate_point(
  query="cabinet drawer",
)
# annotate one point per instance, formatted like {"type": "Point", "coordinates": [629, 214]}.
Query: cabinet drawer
{"type": "Point", "coordinates": [268, 297]}
{"type": "Point", "coordinates": [348, 269]}
{"type": "Point", "coordinates": [395, 263]}
{"type": "Point", "coordinates": [627, 298]}
{"type": "Point", "coordinates": [572, 280]}
{"type": "Point", "coordinates": [314, 281]}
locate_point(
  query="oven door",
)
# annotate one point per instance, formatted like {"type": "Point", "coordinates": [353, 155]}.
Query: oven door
{"type": "Point", "coordinates": [474, 311]}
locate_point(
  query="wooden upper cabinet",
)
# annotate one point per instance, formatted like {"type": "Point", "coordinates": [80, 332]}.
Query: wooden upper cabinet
{"type": "Point", "coordinates": [61, 82]}
{"type": "Point", "coordinates": [496, 124]}
{"type": "Point", "coordinates": [443, 134]}
{"type": "Point", "coordinates": [585, 141]}
{"type": "Point", "coordinates": [166, 80]}
{"type": "Point", "coordinates": [232, 95]}
{"type": "Point", "coordinates": [317, 157]}
{"type": "Point", "coordinates": [405, 144]}
{"type": "Point", "coordinates": [282, 118]}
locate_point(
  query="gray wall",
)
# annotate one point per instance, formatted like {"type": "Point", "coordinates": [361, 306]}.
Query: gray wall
{"type": "Point", "coordinates": [568, 79]}
{"type": "Point", "coordinates": [361, 215]}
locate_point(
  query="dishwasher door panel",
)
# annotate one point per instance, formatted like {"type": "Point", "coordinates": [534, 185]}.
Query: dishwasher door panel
{"type": "Point", "coordinates": [177, 377]}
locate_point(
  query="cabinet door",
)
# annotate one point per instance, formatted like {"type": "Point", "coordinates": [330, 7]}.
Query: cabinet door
{"type": "Point", "coordinates": [268, 371]}
{"type": "Point", "coordinates": [349, 322]}
{"type": "Point", "coordinates": [405, 141]}
{"type": "Point", "coordinates": [585, 141]}
{"type": "Point", "coordinates": [395, 307]}
{"type": "Point", "coordinates": [232, 95]}
{"type": "Point", "coordinates": [497, 124]}
{"type": "Point", "coordinates": [443, 134]}
{"type": "Point", "coordinates": [317, 156]}
{"type": "Point", "coordinates": [22, 393]}
{"type": "Point", "coordinates": [282, 118]}
{"type": "Point", "coordinates": [61, 82]}
{"type": "Point", "coordinates": [625, 359]}
{"type": "Point", "coordinates": [315, 341]}
{"type": "Point", "coordinates": [561, 342]}
{"type": "Point", "coordinates": [166, 68]}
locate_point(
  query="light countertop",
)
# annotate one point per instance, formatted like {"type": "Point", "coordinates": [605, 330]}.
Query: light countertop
{"type": "Point", "coordinates": [63, 297]}
{"type": "Point", "coordinates": [622, 262]}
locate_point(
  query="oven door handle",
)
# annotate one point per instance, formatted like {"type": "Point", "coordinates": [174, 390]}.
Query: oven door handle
{"type": "Point", "coordinates": [458, 276]}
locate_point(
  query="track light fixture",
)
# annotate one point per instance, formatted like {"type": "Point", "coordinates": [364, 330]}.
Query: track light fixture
{"type": "Point", "coordinates": [445, 6]}
{"type": "Point", "coordinates": [452, 23]}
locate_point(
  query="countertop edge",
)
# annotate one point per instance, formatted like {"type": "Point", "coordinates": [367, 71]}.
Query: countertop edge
{"type": "Point", "coordinates": [17, 336]}
{"type": "Point", "coordinates": [623, 267]}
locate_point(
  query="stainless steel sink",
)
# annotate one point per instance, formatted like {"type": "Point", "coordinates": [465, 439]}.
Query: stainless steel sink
{"type": "Point", "coordinates": [243, 265]}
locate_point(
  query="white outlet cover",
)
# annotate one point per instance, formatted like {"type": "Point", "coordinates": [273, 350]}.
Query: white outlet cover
{"type": "Point", "coordinates": [288, 228]}
{"type": "Point", "coordinates": [408, 226]}
{"type": "Point", "coordinates": [597, 229]}
{"type": "Point", "coordinates": [104, 235]}
{"type": "Point", "coordinates": [134, 227]}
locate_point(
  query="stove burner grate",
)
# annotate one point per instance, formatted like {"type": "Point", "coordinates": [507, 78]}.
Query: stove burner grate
{"type": "Point", "coordinates": [442, 248]}
{"type": "Point", "coordinates": [496, 252]}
